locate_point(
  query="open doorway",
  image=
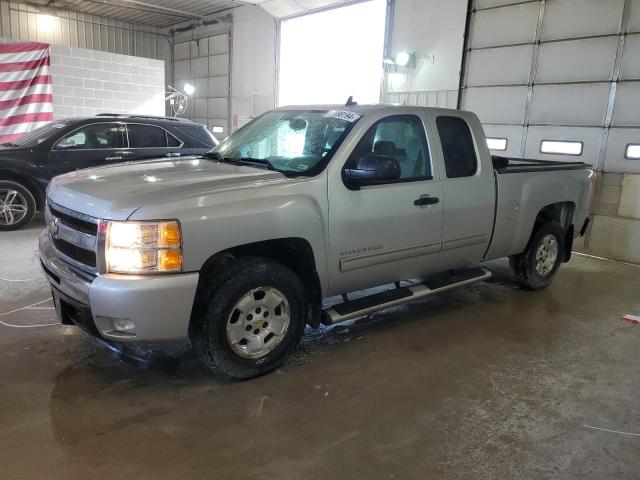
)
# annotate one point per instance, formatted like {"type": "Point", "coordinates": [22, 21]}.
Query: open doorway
{"type": "Point", "coordinates": [327, 56]}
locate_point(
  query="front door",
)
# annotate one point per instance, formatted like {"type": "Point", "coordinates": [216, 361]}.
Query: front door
{"type": "Point", "coordinates": [385, 233]}
{"type": "Point", "coordinates": [92, 145]}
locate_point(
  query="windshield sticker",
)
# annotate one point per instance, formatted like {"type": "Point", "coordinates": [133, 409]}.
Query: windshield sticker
{"type": "Point", "coordinates": [343, 115]}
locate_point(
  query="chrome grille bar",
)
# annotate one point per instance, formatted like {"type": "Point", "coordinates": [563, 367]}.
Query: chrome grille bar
{"type": "Point", "coordinates": [73, 238]}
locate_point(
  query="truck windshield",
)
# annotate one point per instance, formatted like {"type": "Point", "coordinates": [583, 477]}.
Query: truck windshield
{"type": "Point", "coordinates": [290, 141]}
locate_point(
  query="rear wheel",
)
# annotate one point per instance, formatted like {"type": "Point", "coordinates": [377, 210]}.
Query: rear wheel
{"type": "Point", "coordinates": [538, 264]}
{"type": "Point", "coordinates": [249, 318]}
{"type": "Point", "coordinates": [17, 205]}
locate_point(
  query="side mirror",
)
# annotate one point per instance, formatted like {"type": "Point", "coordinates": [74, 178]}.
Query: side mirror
{"type": "Point", "coordinates": [371, 170]}
{"type": "Point", "coordinates": [65, 145]}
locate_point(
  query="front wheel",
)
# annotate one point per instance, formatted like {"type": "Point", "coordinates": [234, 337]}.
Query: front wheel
{"type": "Point", "coordinates": [249, 318]}
{"type": "Point", "coordinates": [535, 268]}
{"type": "Point", "coordinates": [17, 206]}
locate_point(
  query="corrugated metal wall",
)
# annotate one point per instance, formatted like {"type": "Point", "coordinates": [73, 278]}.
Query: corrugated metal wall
{"type": "Point", "coordinates": [22, 22]}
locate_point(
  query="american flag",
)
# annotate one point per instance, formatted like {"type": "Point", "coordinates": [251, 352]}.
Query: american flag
{"type": "Point", "coordinates": [26, 99]}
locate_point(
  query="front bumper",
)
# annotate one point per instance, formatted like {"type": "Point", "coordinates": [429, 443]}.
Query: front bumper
{"type": "Point", "coordinates": [156, 307]}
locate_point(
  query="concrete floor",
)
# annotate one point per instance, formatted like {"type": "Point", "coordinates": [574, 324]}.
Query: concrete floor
{"type": "Point", "coordinates": [481, 383]}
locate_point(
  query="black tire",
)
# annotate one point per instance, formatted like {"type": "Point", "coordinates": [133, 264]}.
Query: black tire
{"type": "Point", "coordinates": [216, 303]}
{"type": "Point", "coordinates": [26, 199]}
{"type": "Point", "coordinates": [523, 266]}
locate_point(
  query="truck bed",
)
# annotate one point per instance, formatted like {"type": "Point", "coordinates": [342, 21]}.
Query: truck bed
{"type": "Point", "coordinates": [521, 165]}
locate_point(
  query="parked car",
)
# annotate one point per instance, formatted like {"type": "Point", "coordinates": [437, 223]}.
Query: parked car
{"type": "Point", "coordinates": [237, 251]}
{"type": "Point", "coordinates": [28, 165]}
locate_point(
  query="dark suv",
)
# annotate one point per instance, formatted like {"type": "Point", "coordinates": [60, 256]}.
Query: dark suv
{"type": "Point", "coordinates": [28, 165]}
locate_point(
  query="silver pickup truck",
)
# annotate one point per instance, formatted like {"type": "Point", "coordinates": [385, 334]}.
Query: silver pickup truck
{"type": "Point", "coordinates": [237, 251]}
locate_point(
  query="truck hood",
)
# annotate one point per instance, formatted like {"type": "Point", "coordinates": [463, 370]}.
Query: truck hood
{"type": "Point", "coordinates": [115, 192]}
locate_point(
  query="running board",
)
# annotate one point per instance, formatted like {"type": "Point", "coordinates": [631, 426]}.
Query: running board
{"type": "Point", "coordinates": [397, 296]}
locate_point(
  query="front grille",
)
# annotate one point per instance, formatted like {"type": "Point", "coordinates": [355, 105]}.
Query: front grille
{"type": "Point", "coordinates": [75, 223]}
{"type": "Point", "coordinates": [75, 253]}
{"type": "Point", "coordinates": [74, 236]}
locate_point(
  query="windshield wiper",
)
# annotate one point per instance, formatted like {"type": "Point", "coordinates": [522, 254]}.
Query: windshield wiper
{"type": "Point", "coordinates": [242, 160]}
{"type": "Point", "coordinates": [259, 161]}
{"type": "Point", "coordinates": [9, 144]}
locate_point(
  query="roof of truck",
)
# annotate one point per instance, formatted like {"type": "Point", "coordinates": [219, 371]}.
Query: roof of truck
{"type": "Point", "coordinates": [363, 109]}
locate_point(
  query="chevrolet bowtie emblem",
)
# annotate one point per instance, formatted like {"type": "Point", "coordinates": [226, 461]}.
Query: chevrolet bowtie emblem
{"type": "Point", "coordinates": [54, 227]}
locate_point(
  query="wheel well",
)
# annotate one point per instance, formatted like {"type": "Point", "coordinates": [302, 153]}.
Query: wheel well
{"type": "Point", "coordinates": [28, 183]}
{"type": "Point", "coordinates": [294, 253]}
{"type": "Point", "coordinates": [562, 213]}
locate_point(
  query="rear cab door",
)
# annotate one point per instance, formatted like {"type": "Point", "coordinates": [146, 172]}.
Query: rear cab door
{"type": "Point", "coordinates": [468, 185]}
{"type": "Point", "coordinates": [152, 141]}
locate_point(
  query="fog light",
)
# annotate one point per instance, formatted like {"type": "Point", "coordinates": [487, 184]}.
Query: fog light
{"type": "Point", "coordinates": [123, 325]}
{"type": "Point", "coordinates": [116, 328]}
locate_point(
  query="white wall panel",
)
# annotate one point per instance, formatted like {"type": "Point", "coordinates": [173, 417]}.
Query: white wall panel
{"type": "Point", "coordinates": [615, 160]}
{"type": "Point", "coordinates": [499, 66]}
{"type": "Point", "coordinates": [204, 63]}
{"type": "Point", "coordinates": [572, 104]}
{"type": "Point", "coordinates": [513, 134]}
{"type": "Point", "coordinates": [634, 19]}
{"type": "Point", "coordinates": [505, 26]}
{"type": "Point", "coordinates": [497, 104]}
{"type": "Point", "coordinates": [631, 58]}
{"type": "Point", "coordinates": [577, 60]}
{"type": "Point", "coordinates": [577, 18]}
{"type": "Point", "coordinates": [18, 21]}
{"type": "Point", "coordinates": [590, 137]}
{"type": "Point", "coordinates": [626, 111]}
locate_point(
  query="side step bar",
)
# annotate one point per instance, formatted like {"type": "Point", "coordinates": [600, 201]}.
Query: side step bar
{"type": "Point", "coordinates": [389, 298]}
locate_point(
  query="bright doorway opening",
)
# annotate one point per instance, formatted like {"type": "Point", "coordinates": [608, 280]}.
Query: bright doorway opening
{"type": "Point", "coordinates": [327, 56]}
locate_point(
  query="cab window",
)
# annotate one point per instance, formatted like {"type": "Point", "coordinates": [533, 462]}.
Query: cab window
{"type": "Point", "coordinates": [402, 138]}
{"type": "Point", "coordinates": [457, 147]}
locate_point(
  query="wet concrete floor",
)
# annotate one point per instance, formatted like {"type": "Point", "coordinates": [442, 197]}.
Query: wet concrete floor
{"type": "Point", "coordinates": [485, 382]}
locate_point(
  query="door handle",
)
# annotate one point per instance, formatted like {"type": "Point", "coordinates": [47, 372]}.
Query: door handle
{"type": "Point", "coordinates": [426, 200]}
{"type": "Point", "coordinates": [112, 158]}
{"type": "Point", "coordinates": [173, 154]}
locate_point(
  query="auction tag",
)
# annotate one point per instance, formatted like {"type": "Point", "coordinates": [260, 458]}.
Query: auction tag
{"type": "Point", "coordinates": [343, 115]}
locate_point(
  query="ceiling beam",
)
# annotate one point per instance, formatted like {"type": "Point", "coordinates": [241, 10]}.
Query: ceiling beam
{"type": "Point", "coordinates": [134, 5]}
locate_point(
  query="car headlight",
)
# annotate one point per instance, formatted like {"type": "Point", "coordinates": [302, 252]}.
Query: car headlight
{"type": "Point", "coordinates": [143, 247]}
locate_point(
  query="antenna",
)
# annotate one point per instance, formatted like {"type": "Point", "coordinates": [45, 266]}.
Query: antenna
{"type": "Point", "coordinates": [350, 102]}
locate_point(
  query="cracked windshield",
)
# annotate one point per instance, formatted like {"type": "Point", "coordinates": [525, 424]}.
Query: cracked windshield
{"type": "Point", "coordinates": [293, 141]}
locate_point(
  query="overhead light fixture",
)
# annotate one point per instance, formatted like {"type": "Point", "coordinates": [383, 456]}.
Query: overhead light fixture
{"type": "Point", "coordinates": [45, 22]}
{"type": "Point", "coordinates": [403, 59]}
{"type": "Point", "coordinates": [189, 89]}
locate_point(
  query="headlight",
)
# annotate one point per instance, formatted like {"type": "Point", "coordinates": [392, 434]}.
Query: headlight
{"type": "Point", "coordinates": [143, 247]}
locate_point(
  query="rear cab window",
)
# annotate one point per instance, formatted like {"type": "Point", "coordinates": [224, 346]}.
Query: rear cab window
{"type": "Point", "coordinates": [458, 147]}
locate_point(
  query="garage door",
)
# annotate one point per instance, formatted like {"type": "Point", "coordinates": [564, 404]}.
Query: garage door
{"type": "Point", "coordinates": [205, 64]}
{"type": "Point", "coordinates": [556, 79]}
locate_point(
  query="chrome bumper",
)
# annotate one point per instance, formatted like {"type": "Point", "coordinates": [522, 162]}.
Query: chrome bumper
{"type": "Point", "coordinates": [158, 306]}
